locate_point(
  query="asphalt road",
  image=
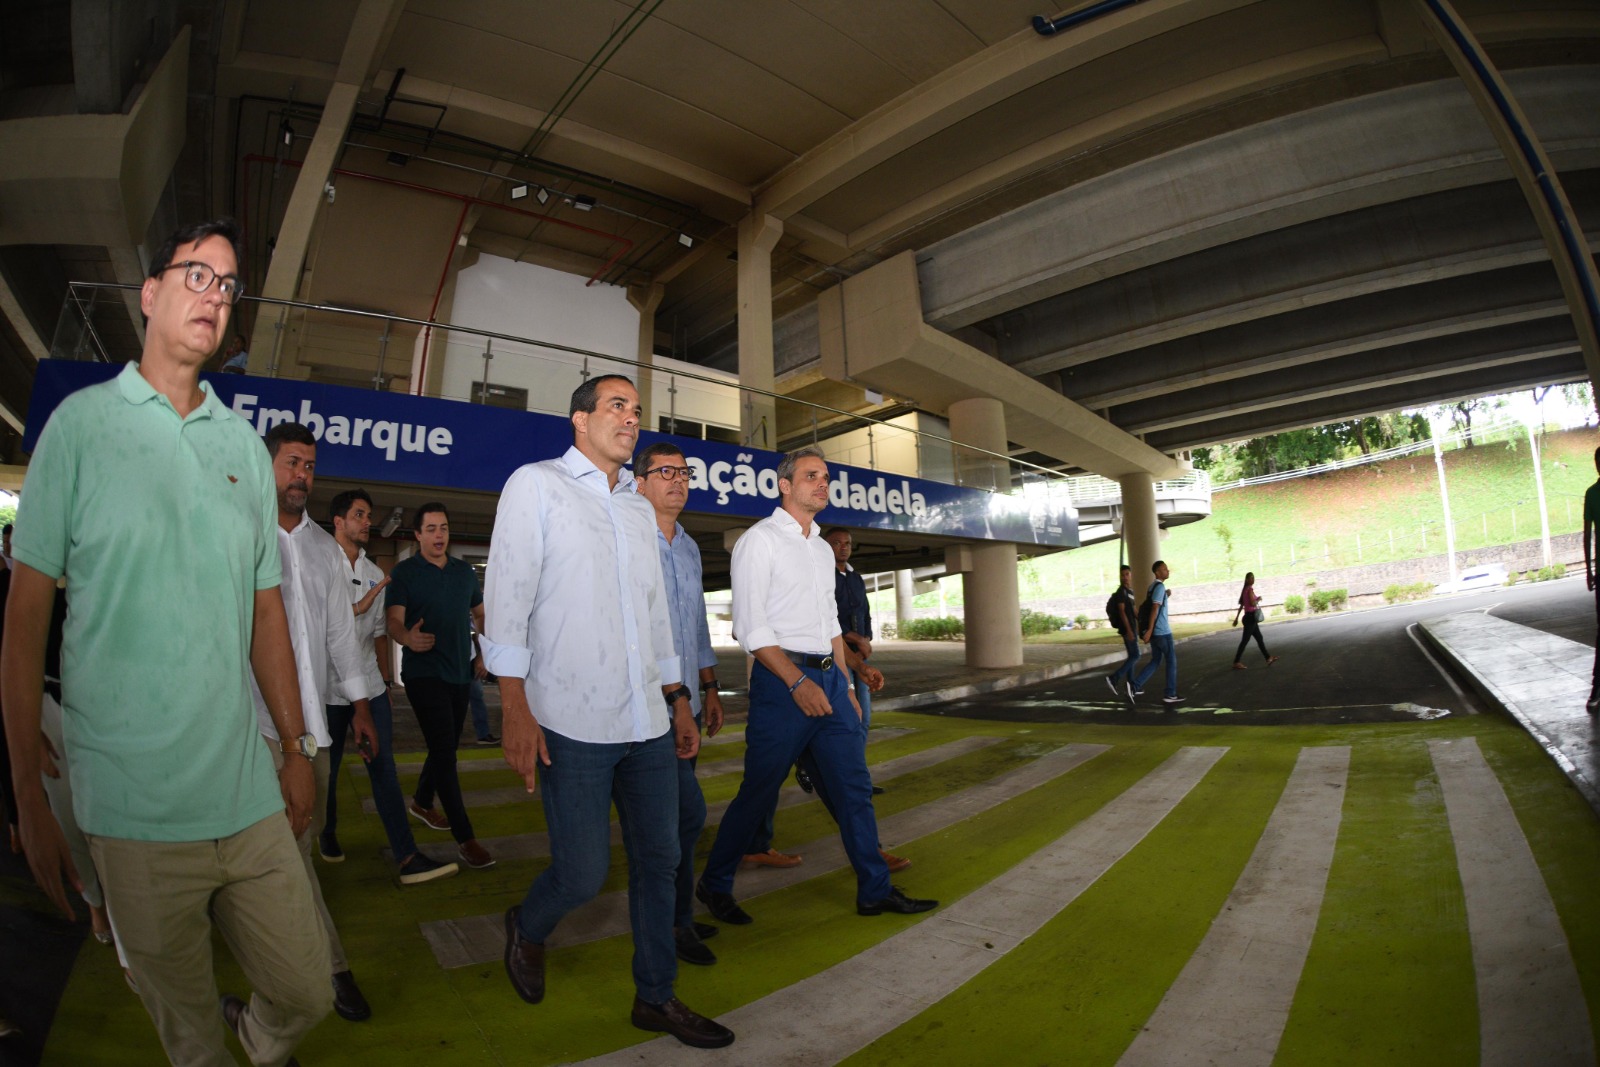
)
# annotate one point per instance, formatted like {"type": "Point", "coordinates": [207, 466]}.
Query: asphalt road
{"type": "Point", "coordinates": [1564, 608]}
{"type": "Point", "coordinates": [1366, 666]}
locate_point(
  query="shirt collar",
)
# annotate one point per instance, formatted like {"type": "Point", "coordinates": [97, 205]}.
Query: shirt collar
{"type": "Point", "coordinates": [136, 390]}
{"type": "Point", "coordinates": [784, 518]}
{"type": "Point", "coordinates": [677, 532]}
{"type": "Point", "coordinates": [582, 467]}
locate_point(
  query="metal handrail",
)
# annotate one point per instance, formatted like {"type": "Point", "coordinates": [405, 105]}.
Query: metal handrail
{"type": "Point", "coordinates": [1034, 468]}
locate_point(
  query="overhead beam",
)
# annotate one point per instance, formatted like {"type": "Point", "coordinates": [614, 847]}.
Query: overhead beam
{"type": "Point", "coordinates": [1523, 295]}
{"type": "Point", "coordinates": [1551, 371]}
{"type": "Point", "coordinates": [999, 71]}
{"type": "Point", "coordinates": [1321, 262]}
{"type": "Point", "coordinates": [1531, 164]}
{"type": "Point", "coordinates": [1315, 164]}
{"type": "Point", "coordinates": [871, 333]}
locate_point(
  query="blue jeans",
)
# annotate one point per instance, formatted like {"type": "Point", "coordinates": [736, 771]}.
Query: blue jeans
{"type": "Point", "coordinates": [1161, 648]}
{"type": "Point", "coordinates": [1125, 672]}
{"type": "Point", "coordinates": [480, 710]}
{"type": "Point", "coordinates": [775, 735]}
{"type": "Point", "coordinates": [578, 788]}
{"type": "Point", "coordinates": [386, 795]}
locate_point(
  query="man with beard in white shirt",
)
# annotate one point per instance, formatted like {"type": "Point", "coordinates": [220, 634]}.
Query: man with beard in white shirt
{"type": "Point", "coordinates": [321, 629]}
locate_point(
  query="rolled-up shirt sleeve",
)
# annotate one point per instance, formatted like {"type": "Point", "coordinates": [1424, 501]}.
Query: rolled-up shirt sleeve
{"type": "Point", "coordinates": [512, 581]}
{"type": "Point", "coordinates": [751, 571]}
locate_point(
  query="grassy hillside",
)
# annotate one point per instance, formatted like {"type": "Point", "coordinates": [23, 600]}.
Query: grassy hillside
{"type": "Point", "coordinates": [1366, 514]}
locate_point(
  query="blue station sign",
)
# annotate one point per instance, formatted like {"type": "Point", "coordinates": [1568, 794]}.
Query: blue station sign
{"type": "Point", "coordinates": [394, 438]}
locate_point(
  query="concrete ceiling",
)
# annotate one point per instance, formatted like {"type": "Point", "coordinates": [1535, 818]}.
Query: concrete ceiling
{"type": "Point", "coordinates": [1204, 219]}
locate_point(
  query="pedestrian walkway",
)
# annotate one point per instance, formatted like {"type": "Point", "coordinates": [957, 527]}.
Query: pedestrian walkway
{"type": "Point", "coordinates": [1539, 678]}
{"type": "Point", "coordinates": [1375, 893]}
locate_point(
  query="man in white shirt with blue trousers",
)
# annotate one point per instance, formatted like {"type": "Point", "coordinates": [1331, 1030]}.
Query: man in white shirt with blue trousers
{"type": "Point", "coordinates": [801, 697]}
{"type": "Point", "coordinates": [578, 633]}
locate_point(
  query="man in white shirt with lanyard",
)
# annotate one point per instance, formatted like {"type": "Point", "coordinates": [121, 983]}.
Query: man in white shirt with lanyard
{"type": "Point", "coordinates": [579, 634]}
{"type": "Point", "coordinates": [801, 696]}
{"type": "Point", "coordinates": [323, 634]}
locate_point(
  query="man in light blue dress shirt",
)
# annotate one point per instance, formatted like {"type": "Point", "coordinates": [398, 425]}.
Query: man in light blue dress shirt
{"type": "Point", "coordinates": [579, 634]}
{"type": "Point", "coordinates": [662, 475]}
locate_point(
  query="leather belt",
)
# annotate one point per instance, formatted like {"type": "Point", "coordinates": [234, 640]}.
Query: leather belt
{"type": "Point", "coordinates": [806, 659]}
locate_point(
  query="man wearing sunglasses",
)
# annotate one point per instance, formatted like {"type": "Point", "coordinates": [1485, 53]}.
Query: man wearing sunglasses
{"type": "Point", "coordinates": [159, 506]}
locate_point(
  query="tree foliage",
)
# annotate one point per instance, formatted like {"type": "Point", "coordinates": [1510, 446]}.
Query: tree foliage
{"type": "Point", "coordinates": [1295, 449]}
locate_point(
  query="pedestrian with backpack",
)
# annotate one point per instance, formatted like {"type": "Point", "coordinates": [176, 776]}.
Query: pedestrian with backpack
{"type": "Point", "coordinates": [1250, 608]}
{"type": "Point", "coordinates": [1157, 632]}
{"type": "Point", "coordinates": [1121, 612]}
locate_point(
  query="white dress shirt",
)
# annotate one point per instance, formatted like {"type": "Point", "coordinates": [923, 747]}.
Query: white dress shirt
{"type": "Point", "coordinates": [360, 577]}
{"type": "Point", "coordinates": [574, 602]}
{"type": "Point", "coordinates": [783, 587]}
{"type": "Point", "coordinates": [321, 626]}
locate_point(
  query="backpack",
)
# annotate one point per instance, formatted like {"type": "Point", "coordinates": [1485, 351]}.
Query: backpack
{"type": "Point", "coordinates": [1112, 614]}
{"type": "Point", "coordinates": [1147, 612]}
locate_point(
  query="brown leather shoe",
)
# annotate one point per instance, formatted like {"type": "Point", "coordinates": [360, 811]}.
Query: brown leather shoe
{"type": "Point", "coordinates": [773, 858]}
{"type": "Point", "coordinates": [475, 855]}
{"type": "Point", "coordinates": [232, 1008]}
{"type": "Point", "coordinates": [428, 817]}
{"type": "Point", "coordinates": [675, 1018]}
{"type": "Point", "coordinates": [524, 961]}
{"type": "Point", "coordinates": [896, 863]}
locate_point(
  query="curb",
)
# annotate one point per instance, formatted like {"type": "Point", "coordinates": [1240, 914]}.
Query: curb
{"type": "Point", "coordinates": [1491, 695]}
{"type": "Point", "coordinates": [912, 701]}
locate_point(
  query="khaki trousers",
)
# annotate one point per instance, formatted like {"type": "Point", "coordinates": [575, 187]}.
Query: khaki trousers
{"type": "Point", "coordinates": [166, 895]}
{"type": "Point", "coordinates": [319, 819]}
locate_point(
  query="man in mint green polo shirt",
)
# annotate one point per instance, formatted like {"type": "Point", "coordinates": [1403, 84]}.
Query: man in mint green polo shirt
{"type": "Point", "coordinates": [158, 506]}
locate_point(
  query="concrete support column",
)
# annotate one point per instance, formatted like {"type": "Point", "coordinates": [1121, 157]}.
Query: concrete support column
{"type": "Point", "coordinates": [904, 592]}
{"type": "Point", "coordinates": [1140, 530]}
{"type": "Point", "coordinates": [758, 415]}
{"type": "Point", "coordinates": [992, 614]}
{"type": "Point", "coordinates": [369, 31]}
{"type": "Point", "coordinates": [645, 299]}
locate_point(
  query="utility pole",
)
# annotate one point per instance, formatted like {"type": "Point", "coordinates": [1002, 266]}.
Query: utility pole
{"type": "Point", "coordinates": [1538, 480]}
{"type": "Point", "coordinates": [1444, 498]}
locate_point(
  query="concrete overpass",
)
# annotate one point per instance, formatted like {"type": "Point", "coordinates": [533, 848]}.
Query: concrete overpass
{"type": "Point", "coordinates": [1184, 222]}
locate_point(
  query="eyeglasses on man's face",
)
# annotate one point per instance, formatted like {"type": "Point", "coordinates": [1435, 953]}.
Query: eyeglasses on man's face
{"type": "Point", "coordinates": [668, 474]}
{"type": "Point", "coordinates": [199, 276]}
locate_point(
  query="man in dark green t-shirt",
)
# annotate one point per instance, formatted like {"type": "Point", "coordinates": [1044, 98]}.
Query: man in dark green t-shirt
{"type": "Point", "coordinates": [1591, 516]}
{"type": "Point", "coordinates": [434, 600]}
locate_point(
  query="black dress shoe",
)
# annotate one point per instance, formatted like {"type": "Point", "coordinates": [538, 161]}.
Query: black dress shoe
{"type": "Point", "coordinates": [347, 998]}
{"type": "Point", "coordinates": [896, 902]}
{"type": "Point", "coordinates": [690, 948]}
{"type": "Point", "coordinates": [232, 1008]}
{"type": "Point", "coordinates": [705, 931]}
{"type": "Point", "coordinates": [722, 906]}
{"type": "Point", "coordinates": [877, 790]}
{"type": "Point", "coordinates": [524, 961]}
{"type": "Point", "coordinates": [675, 1018]}
{"type": "Point", "coordinates": [803, 780]}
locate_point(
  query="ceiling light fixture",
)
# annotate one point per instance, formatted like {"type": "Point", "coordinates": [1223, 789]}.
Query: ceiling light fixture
{"type": "Point", "coordinates": [518, 192]}
{"type": "Point", "coordinates": [543, 195]}
{"type": "Point", "coordinates": [685, 240]}
{"type": "Point", "coordinates": [583, 203]}
{"type": "Point", "coordinates": [399, 159]}
{"type": "Point", "coordinates": [288, 133]}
